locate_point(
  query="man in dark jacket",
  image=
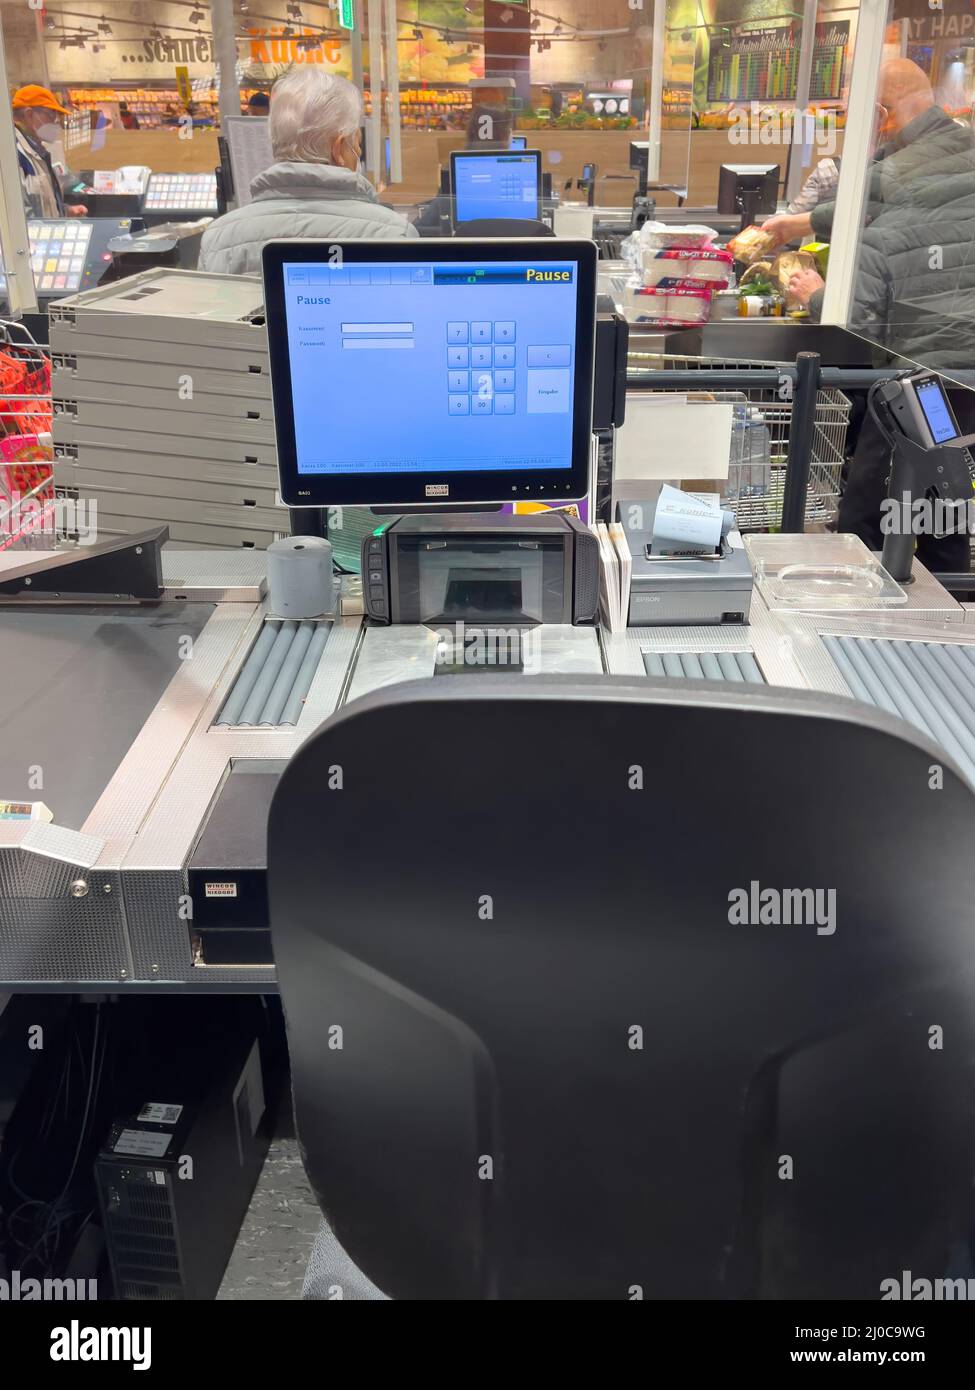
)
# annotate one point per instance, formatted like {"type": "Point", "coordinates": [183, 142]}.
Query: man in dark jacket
{"type": "Point", "coordinates": [914, 289]}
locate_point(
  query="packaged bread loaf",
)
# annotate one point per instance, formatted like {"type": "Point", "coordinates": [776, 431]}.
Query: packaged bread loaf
{"type": "Point", "coordinates": [750, 245]}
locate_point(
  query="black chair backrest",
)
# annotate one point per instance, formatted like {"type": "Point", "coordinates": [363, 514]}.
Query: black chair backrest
{"type": "Point", "coordinates": [502, 227]}
{"type": "Point", "coordinates": [535, 1051]}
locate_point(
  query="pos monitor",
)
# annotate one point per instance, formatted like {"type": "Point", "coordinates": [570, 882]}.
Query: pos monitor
{"type": "Point", "coordinates": [495, 184]}
{"type": "Point", "coordinates": [407, 372]}
{"type": "Point", "coordinates": [749, 189]}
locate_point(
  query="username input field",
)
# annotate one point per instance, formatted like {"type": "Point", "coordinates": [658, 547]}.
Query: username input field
{"type": "Point", "coordinates": [377, 328]}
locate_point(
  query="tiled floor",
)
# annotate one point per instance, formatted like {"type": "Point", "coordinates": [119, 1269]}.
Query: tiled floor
{"type": "Point", "coordinates": [279, 1230]}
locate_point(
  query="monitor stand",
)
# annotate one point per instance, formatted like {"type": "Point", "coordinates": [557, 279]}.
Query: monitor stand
{"type": "Point", "coordinates": [749, 199]}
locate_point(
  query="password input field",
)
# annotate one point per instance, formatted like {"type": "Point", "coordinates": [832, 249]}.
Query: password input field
{"type": "Point", "coordinates": [377, 328]}
{"type": "Point", "coordinates": [377, 343]}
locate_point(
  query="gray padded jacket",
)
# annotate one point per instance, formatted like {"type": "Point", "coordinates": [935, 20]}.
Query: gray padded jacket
{"type": "Point", "coordinates": [321, 202]}
{"type": "Point", "coordinates": [914, 287]}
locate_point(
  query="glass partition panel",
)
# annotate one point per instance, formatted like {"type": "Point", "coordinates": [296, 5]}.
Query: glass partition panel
{"type": "Point", "coordinates": [570, 78]}
{"type": "Point", "coordinates": [682, 49]}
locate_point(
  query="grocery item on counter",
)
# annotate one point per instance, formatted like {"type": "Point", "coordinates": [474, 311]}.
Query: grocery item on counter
{"type": "Point", "coordinates": [760, 306]}
{"type": "Point", "coordinates": [757, 272]}
{"type": "Point", "coordinates": [662, 235]}
{"type": "Point", "coordinates": [785, 265]}
{"type": "Point", "coordinates": [687, 263]}
{"type": "Point", "coordinates": [819, 250]}
{"type": "Point", "coordinates": [675, 305]}
{"type": "Point", "coordinates": [750, 245]}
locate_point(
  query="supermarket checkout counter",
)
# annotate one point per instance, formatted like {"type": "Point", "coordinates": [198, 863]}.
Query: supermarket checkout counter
{"type": "Point", "coordinates": [114, 715]}
{"type": "Point", "coordinates": [152, 697]}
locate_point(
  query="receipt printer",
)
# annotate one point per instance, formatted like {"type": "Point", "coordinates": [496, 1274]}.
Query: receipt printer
{"type": "Point", "coordinates": [481, 567]}
{"type": "Point", "coordinates": [676, 590]}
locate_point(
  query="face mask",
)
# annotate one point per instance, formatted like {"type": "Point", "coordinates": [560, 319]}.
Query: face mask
{"type": "Point", "coordinates": [49, 132]}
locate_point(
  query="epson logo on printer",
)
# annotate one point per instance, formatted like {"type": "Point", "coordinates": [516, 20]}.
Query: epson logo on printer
{"type": "Point", "coordinates": [437, 490]}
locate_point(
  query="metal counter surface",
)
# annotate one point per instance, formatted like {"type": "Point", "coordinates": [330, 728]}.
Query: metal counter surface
{"type": "Point", "coordinates": [120, 714]}
{"type": "Point", "coordinates": [78, 684]}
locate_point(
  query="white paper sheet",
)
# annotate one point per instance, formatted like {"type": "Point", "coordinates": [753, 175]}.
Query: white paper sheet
{"type": "Point", "coordinates": [249, 146]}
{"type": "Point", "coordinates": [663, 439]}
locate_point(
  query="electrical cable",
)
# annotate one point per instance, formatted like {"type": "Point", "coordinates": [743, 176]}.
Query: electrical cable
{"type": "Point", "coordinates": [49, 1219]}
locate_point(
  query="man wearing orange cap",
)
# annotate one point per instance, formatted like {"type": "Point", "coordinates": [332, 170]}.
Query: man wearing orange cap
{"type": "Point", "coordinates": [37, 117]}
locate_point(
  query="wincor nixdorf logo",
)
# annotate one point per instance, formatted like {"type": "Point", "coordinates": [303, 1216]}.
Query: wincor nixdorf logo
{"type": "Point", "coordinates": [437, 490]}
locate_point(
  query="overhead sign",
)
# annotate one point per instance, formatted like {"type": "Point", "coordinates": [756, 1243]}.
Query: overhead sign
{"type": "Point", "coordinates": [347, 14]}
{"type": "Point", "coordinates": [183, 84]}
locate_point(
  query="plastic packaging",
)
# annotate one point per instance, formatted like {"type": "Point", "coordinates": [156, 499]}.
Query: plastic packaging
{"type": "Point", "coordinates": [681, 304]}
{"type": "Point", "coordinates": [750, 245]}
{"type": "Point", "coordinates": [684, 263]}
{"type": "Point", "coordinates": [662, 235]}
{"type": "Point", "coordinates": [736, 456]}
{"type": "Point", "coordinates": [820, 573]}
{"type": "Point", "coordinates": [756, 474]}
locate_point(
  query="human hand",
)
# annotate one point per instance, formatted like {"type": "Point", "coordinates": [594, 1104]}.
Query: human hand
{"type": "Point", "coordinates": [76, 210]}
{"type": "Point", "coordinates": [803, 284]}
{"type": "Point", "coordinates": [786, 226]}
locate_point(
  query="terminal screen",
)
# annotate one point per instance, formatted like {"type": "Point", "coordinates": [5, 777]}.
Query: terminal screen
{"type": "Point", "coordinates": [197, 192]}
{"type": "Point", "coordinates": [420, 367]}
{"type": "Point", "coordinates": [497, 185]}
{"type": "Point", "coordinates": [58, 255]}
{"type": "Point", "coordinates": [937, 412]}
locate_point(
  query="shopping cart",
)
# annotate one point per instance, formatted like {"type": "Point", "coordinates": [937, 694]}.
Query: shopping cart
{"type": "Point", "coordinates": [764, 512]}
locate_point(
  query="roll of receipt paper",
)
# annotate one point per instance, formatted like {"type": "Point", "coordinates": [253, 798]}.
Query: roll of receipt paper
{"type": "Point", "coordinates": [300, 577]}
{"type": "Point", "coordinates": [683, 523]}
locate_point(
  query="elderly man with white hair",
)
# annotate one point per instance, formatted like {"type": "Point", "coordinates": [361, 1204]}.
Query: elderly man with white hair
{"type": "Point", "coordinates": [313, 189]}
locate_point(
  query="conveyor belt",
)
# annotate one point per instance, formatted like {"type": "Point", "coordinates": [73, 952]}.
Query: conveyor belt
{"type": "Point", "coordinates": [929, 684]}
{"type": "Point", "coordinates": [712, 666]}
{"type": "Point", "coordinates": [276, 677]}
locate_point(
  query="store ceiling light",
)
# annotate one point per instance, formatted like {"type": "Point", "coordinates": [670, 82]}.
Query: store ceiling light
{"type": "Point", "coordinates": [197, 16]}
{"type": "Point", "coordinates": [103, 26]}
{"type": "Point", "coordinates": [294, 9]}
